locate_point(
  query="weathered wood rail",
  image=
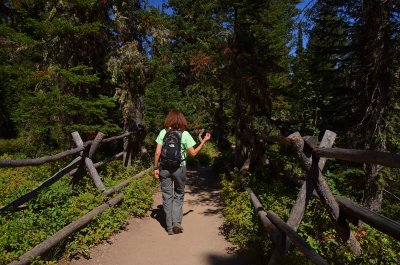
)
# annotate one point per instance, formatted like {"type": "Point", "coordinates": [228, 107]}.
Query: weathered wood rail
{"type": "Point", "coordinates": [276, 228]}
{"type": "Point", "coordinates": [75, 168]}
{"type": "Point", "coordinates": [341, 210]}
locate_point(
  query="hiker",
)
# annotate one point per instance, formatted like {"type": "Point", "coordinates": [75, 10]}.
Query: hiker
{"type": "Point", "coordinates": [170, 166]}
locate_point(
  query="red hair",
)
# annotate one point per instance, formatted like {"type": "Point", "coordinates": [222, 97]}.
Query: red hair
{"type": "Point", "coordinates": [175, 120]}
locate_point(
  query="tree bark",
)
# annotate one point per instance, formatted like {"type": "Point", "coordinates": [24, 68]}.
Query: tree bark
{"type": "Point", "coordinates": [376, 48]}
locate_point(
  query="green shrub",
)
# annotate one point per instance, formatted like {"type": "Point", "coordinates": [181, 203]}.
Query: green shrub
{"type": "Point", "coordinates": [241, 226]}
{"type": "Point", "coordinates": [206, 156]}
{"type": "Point", "coordinates": [11, 146]}
{"type": "Point", "coordinates": [243, 229]}
{"type": "Point", "coordinates": [55, 207]}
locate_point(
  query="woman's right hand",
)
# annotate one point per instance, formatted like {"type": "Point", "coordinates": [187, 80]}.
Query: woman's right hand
{"type": "Point", "coordinates": [157, 173]}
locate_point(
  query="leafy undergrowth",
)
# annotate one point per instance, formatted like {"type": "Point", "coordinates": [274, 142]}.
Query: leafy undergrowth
{"type": "Point", "coordinates": [56, 207]}
{"type": "Point", "coordinates": [243, 228]}
{"type": "Point", "coordinates": [206, 156]}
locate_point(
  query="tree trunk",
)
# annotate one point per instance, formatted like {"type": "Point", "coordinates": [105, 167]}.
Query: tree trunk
{"type": "Point", "coordinates": [372, 197]}
{"type": "Point", "coordinates": [376, 80]}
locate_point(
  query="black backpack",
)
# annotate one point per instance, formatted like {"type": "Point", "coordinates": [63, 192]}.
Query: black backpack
{"type": "Point", "coordinates": [171, 150]}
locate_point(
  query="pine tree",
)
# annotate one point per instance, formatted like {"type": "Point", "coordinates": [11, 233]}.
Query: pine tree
{"type": "Point", "coordinates": [324, 92]}
{"type": "Point", "coordinates": [71, 45]}
{"type": "Point", "coordinates": [199, 39]}
{"type": "Point", "coordinates": [16, 65]}
{"type": "Point", "coordinates": [374, 79]}
{"type": "Point", "coordinates": [259, 70]}
{"type": "Point", "coordinates": [128, 64]}
{"type": "Point", "coordinates": [351, 70]}
{"type": "Point", "coordinates": [162, 95]}
{"type": "Point", "coordinates": [235, 53]}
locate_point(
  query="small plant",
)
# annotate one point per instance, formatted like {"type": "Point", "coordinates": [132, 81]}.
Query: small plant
{"type": "Point", "coordinates": [206, 156]}
{"type": "Point", "coordinates": [243, 229]}
{"type": "Point", "coordinates": [56, 207]}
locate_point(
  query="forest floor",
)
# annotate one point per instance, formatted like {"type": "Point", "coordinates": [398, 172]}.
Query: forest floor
{"type": "Point", "coordinates": [145, 240]}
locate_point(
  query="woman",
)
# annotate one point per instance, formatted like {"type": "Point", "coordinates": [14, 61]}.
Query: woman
{"type": "Point", "coordinates": [173, 179]}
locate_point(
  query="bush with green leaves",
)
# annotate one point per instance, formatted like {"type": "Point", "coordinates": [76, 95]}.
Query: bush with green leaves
{"type": "Point", "coordinates": [206, 156]}
{"type": "Point", "coordinates": [56, 207]}
{"type": "Point", "coordinates": [243, 228]}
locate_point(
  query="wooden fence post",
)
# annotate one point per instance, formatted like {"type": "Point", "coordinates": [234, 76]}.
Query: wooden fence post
{"type": "Point", "coordinates": [127, 156]}
{"type": "Point", "coordinates": [297, 212]}
{"type": "Point", "coordinates": [306, 191]}
{"type": "Point", "coordinates": [276, 228]}
{"type": "Point", "coordinates": [79, 171]}
{"type": "Point", "coordinates": [312, 166]}
{"type": "Point", "coordinates": [87, 162]}
{"type": "Point", "coordinates": [96, 143]}
{"type": "Point", "coordinates": [330, 202]}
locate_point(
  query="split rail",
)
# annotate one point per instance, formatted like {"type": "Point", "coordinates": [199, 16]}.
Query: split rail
{"type": "Point", "coordinates": [76, 168]}
{"type": "Point", "coordinates": [342, 211]}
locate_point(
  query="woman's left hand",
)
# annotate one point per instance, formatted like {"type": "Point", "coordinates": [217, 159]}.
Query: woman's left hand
{"type": "Point", "coordinates": [207, 137]}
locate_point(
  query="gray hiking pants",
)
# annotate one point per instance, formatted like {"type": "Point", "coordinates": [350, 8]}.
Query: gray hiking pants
{"type": "Point", "coordinates": [173, 191]}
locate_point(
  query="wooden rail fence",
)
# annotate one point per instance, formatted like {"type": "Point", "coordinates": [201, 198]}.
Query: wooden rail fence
{"type": "Point", "coordinates": [75, 168]}
{"type": "Point", "coordinates": [341, 210]}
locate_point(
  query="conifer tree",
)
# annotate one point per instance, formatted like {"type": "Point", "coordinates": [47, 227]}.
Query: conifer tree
{"type": "Point", "coordinates": [235, 53]}
{"type": "Point", "coordinates": [351, 70]}
{"type": "Point", "coordinates": [128, 63]}
{"type": "Point", "coordinates": [261, 33]}
{"type": "Point", "coordinates": [16, 65]}
{"type": "Point", "coordinates": [66, 89]}
{"type": "Point", "coordinates": [324, 92]}
{"type": "Point", "coordinates": [374, 79]}
{"type": "Point", "coordinates": [199, 39]}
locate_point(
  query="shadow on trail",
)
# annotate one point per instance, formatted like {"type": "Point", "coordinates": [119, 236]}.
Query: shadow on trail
{"type": "Point", "coordinates": [218, 260]}
{"type": "Point", "coordinates": [159, 214]}
{"type": "Point", "coordinates": [203, 184]}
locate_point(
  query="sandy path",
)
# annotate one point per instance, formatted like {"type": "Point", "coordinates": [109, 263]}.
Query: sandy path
{"type": "Point", "coordinates": [146, 241]}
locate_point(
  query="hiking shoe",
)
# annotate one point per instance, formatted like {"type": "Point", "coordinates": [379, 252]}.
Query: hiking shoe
{"type": "Point", "coordinates": [170, 232]}
{"type": "Point", "coordinates": [177, 228]}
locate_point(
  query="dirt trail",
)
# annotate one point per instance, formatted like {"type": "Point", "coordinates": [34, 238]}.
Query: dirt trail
{"type": "Point", "coordinates": [146, 241]}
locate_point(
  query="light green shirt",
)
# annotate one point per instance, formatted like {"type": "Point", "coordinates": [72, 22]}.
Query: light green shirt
{"type": "Point", "coordinates": [187, 141]}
